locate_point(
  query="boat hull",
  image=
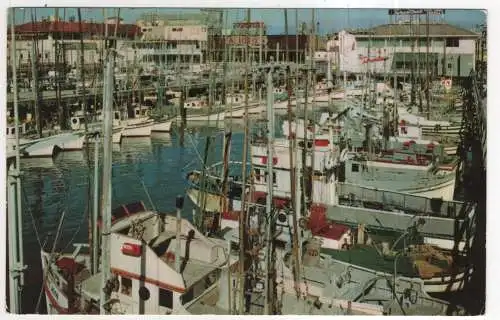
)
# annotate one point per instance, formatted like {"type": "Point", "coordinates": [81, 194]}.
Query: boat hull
{"type": "Point", "coordinates": [51, 146]}
{"type": "Point", "coordinates": [443, 190]}
{"type": "Point", "coordinates": [138, 130]}
{"type": "Point", "coordinates": [56, 300]}
{"type": "Point", "coordinates": [165, 126]}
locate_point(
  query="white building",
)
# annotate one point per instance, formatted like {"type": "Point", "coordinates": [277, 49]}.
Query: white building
{"type": "Point", "coordinates": [172, 42]}
{"type": "Point", "coordinates": [393, 48]}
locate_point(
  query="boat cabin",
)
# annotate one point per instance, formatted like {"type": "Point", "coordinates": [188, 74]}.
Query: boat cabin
{"type": "Point", "coordinates": [141, 112]}
{"type": "Point", "coordinates": [235, 99]}
{"type": "Point", "coordinates": [195, 103]}
{"type": "Point", "coordinates": [143, 262]}
{"type": "Point", "coordinates": [11, 130]}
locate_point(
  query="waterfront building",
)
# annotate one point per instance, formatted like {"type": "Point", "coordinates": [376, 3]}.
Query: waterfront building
{"type": "Point", "coordinates": [402, 48]}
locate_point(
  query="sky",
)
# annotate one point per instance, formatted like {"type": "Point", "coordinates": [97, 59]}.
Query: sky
{"type": "Point", "coordinates": [331, 20]}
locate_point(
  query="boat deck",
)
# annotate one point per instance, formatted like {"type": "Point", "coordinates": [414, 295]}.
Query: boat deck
{"type": "Point", "coordinates": [91, 286]}
{"type": "Point", "coordinates": [207, 304]}
{"type": "Point", "coordinates": [193, 270]}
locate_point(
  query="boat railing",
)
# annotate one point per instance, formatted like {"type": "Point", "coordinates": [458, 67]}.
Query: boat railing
{"type": "Point", "coordinates": [430, 206]}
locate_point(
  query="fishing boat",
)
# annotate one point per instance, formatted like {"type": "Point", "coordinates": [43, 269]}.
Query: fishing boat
{"type": "Point", "coordinates": [158, 263]}
{"type": "Point", "coordinates": [78, 125]}
{"type": "Point", "coordinates": [441, 270]}
{"type": "Point", "coordinates": [49, 147]}
{"type": "Point", "coordinates": [11, 137]}
{"type": "Point", "coordinates": [396, 294]}
{"type": "Point", "coordinates": [139, 123]}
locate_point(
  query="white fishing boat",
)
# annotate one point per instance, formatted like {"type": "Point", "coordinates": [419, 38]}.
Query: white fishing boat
{"type": "Point", "coordinates": [146, 278]}
{"type": "Point", "coordinates": [49, 147]}
{"type": "Point", "coordinates": [10, 137]}
{"type": "Point", "coordinates": [78, 125]}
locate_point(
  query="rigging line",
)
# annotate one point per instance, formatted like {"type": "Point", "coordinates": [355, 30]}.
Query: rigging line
{"type": "Point", "coordinates": [147, 194]}
{"type": "Point", "coordinates": [31, 214]}
{"type": "Point", "coordinates": [77, 230]}
{"type": "Point", "coordinates": [50, 261]}
{"type": "Point", "coordinates": [195, 148]}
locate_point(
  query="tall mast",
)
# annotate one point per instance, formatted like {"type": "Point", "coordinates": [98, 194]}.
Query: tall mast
{"type": "Point", "coordinates": [106, 171]}
{"type": "Point", "coordinates": [268, 293]}
{"type": "Point", "coordinates": [313, 102]}
{"type": "Point", "coordinates": [227, 132]}
{"type": "Point", "coordinates": [291, 148]}
{"type": "Point", "coordinates": [58, 48]}
{"type": "Point", "coordinates": [242, 216]}
{"type": "Point", "coordinates": [34, 73]}
{"type": "Point", "coordinates": [15, 232]}
{"type": "Point", "coordinates": [427, 75]}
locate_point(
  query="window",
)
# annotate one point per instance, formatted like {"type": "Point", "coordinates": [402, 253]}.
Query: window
{"type": "Point", "coordinates": [165, 298]}
{"type": "Point", "coordinates": [355, 167]}
{"type": "Point", "coordinates": [452, 42]}
{"type": "Point", "coordinates": [449, 66]}
{"type": "Point", "coordinates": [257, 174]}
{"type": "Point", "coordinates": [274, 177]}
{"type": "Point", "coordinates": [187, 297]}
{"type": "Point", "coordinates": [126, 286]}
{"type": "Point", "coordinates": [13, 131]}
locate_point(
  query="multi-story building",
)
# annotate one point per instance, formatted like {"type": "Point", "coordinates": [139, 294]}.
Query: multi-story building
{"type": "Point", "coordinates": [403, 48]}
{"type": "Point", "coordinates": [62, 38]}
{"type": "Point", "coordinates": [172, 42]}
{"type": "Point", "coordinates": [176, 38]}
{"type": "Point", "coordinates": [252, 34]}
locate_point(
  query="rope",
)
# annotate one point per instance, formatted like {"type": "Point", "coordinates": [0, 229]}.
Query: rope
{"type": "Point", "coordinates": [147, 194]}
{"type": "Point", "coordinates": [77, 230]}
{"type": "Point", "coordinates": [37, 235]}
{"type": "Point", "coordinates": [50, 261]}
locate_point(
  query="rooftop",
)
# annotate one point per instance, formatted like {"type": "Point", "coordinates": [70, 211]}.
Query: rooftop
{"type": "Point", "coordinates": [91, 28]}
{"type": "Point", "coordinates": [406, 29]}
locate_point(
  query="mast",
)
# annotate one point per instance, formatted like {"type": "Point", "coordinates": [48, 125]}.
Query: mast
{"type": "Point", "coordinates": [242, 216]}
{"type": "Point", "coordinates": [419, 71]}
{"type": "Point", "coordinates": [34, 73]}
{"type": "Point", "coordinates": [227, 132]}
{"type": "Point", "coordinates": [91, 222]}
{"type": "Point", "coordinates": [15, 232]}
{"type": "Point", "coordinates": [313, 102]}
{"type": "Point", "coordinates": [106, 173]}
{"type": "Point", "coordinates": [291, 148]}
{"type": "Point", "coordinates": [58, 48]}
{"type": "Point", "coordinates": [268, 293]}
{"type": "Point", "coordinates": [427, 75]}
